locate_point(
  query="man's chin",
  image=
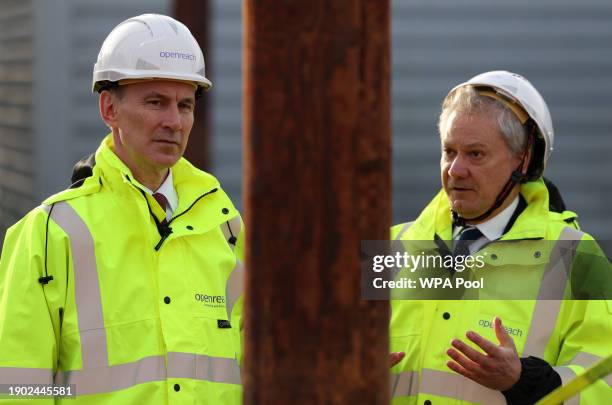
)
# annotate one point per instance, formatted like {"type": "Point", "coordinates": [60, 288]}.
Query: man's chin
{"type": "Point", "coordinates": [166, 161]}
{"type": "Point", "coordinates": [463, 209]}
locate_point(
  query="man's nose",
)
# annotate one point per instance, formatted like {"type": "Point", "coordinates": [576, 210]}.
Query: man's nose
{"type": "Point", "coordinates": [458, 168]}
{"type": "Point", "coordinates": [172, 118]}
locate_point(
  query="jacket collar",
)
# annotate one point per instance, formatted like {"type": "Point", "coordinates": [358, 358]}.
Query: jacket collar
{"type": "Point", "coordinates": [435, 219]}
{"type": "Point", "coordinates": [189, 182]}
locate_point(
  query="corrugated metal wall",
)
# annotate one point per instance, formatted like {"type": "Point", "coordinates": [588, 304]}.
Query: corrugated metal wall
{"type": "Point", "coordinates": [16, 149]}
{"type": "Point", "coordinates": [563, 47]}
{"type": "Point", "coordinates": [225, 63]}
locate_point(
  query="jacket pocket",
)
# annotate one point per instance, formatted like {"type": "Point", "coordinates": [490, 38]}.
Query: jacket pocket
{"type": "Point", "coordinates": [217, 337]}
{"type": "Point", "coordinates": [218, 340]}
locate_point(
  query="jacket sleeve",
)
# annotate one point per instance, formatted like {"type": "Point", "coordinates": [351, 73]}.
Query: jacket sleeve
{"type": "Point", "coordinates": [584, 326]}
{"type": "Point", "coordinates": [581, 336]}
{"type": "Point", "coordinates": [587, 327]}
{"type": "Point", "coordinates": [29, 310]}
{"type": "Point", "coordinates": [537, 379]}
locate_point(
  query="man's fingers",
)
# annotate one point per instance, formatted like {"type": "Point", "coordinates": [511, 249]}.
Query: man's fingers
{"type": "Point", "coordinates": [395, 358]}
{"type": "Point", "coordinates": [460, 370]}
{"type": "Point", "coordinates": [457, 368]}
{"type": "Point", "coordinates": [470, 352]}
{"type": "Point", "coordinates": [463, 361]}
{"type": "Point", "coordinates": [502, 336]}
{"type": "Point", "coordinates": [489, 347]}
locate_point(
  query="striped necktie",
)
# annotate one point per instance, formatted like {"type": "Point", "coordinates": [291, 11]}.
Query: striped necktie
{"type": "Point", "coordinates": [163, 202]}
{"type": "Point", "coordinates": [466, 237]}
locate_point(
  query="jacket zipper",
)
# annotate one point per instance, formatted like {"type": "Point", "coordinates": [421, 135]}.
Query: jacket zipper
{"type": "Point", "coordinates": [165, 230]}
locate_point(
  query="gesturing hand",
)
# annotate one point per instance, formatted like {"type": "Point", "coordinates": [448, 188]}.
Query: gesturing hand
{"type": "Point", "coordinates": [395, 357]}
{"type": "Point", "coordinates": [498, 369]}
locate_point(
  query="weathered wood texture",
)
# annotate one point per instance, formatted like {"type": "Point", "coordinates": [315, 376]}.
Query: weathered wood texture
{"type": "Point", "coordinates": [317, 149]}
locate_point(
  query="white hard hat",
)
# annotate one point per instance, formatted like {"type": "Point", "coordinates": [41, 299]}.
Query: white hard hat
{"type": "Point", "coordinates": [150, 46]}
{"type": "Point", "coordinates": [518, 89]}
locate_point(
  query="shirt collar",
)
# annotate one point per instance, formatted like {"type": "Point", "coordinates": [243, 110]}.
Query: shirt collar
{"type": "Point", "coordinates": [168, 191]}
{"type": "Point", "coordinates": [494, 228]}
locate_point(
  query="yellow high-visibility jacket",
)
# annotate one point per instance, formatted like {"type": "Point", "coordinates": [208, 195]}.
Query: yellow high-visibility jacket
{"type": "Point", "coordinates": [125, 319]}
{"type": "Point", "coordinates": [568, 334]}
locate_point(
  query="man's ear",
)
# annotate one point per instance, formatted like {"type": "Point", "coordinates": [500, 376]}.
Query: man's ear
{"type": "Point", "coordinates": [108, 103]}
{"type": "Point", "coordinates": [525, 157]}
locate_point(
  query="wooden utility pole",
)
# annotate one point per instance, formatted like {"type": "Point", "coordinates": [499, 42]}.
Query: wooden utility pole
{"type": "Point", "coordinates": [317, 139]}
{"type": "Point", "coordinates": [194, 14]}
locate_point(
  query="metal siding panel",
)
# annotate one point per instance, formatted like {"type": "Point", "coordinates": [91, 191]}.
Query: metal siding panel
{"type": "Point", "coordinates": [51, 115]}
{"type": "Point", "coordinates": [224, 60]}
{"type": "Point", "coordinates": [560, 46]}
{"type": "Point", "coordinates": [16, 156]}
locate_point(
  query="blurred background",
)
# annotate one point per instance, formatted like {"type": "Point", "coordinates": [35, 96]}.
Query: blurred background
{"type": "Point", "coordinates": [49, 117]}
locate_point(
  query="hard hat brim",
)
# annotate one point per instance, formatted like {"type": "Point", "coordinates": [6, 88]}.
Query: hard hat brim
{"type": "Point", "coordinates": [125, 74]}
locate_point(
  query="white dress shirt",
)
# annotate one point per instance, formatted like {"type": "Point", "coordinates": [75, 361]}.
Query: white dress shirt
{"type": "Point", "coordinates": [491, 229]}
{"type": "Point", "coordinates": [167, 190]}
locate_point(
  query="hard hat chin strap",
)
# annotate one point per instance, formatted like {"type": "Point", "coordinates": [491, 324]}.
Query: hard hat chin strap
{"type": "Point", "coordinates": [519, 175]}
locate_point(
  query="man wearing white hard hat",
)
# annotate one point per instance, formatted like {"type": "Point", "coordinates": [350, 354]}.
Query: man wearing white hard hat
{"type": "Point", "coordinates": [537, 314]}
{"type": "Point", "coordinates": [125, 287]}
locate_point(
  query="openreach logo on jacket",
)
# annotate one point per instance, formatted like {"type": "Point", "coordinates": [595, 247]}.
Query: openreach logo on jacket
{"type": "Point", "coordinates": [211, 301]}
{"type": "Point", "coordinates": [485, 323]}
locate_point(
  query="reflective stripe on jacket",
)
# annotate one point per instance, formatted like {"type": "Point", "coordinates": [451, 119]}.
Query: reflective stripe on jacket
{"type": "Point", "coordinates": [569, 334]}
{"type": "Point", "coordinates": [124, 322]}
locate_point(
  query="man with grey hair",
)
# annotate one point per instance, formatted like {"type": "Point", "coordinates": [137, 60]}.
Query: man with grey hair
{"type": "Point", "coordinates": [496, 136]}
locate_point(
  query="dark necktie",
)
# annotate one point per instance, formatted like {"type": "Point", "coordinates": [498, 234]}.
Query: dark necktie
{"type": "Point", "coordinates": [163, 202]}
{"type": "Point", "coordinates": [467, 236]}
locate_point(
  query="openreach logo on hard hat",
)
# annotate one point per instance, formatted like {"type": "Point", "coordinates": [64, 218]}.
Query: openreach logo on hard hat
{"type": "Point", "coordinates": [176, 55]}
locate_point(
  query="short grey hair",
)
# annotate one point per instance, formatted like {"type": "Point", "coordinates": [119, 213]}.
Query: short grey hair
{"type": "Point", "coordinates": [467, 100]}
{"type": "Point", "coordinates": [117, 91]}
